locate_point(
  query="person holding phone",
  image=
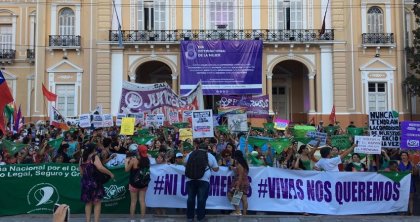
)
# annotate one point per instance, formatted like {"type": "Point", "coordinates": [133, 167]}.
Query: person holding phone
{"type": "Point", "coordinates": [92, 192]}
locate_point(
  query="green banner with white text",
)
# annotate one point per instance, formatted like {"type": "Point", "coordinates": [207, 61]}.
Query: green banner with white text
{"type": "Point", "coordinates": [34, 189]}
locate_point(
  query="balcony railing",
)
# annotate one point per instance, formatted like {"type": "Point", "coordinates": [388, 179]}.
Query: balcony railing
{"type": "Point", "coordinates": [378, 38]}
{"type": "Point", "coordinates": [30, 54]}
{"type": "Point", "coordinates": [64, 41]}
{"type": "Point", "coordinates": [7, 55]}
{"type": "Point", "coordinates": [277, 35]}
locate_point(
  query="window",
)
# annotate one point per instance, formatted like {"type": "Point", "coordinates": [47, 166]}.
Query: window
{"type": "Point", "coordinates": [289, 14]}
{"type": "Point", "coordinates": [151, 15]}
{"type": "Point", "coordinates": [221, 12]}
{"type": "Point", "coordinates": [375, 20]}
{"type": "Point", "coordinates": [377, 95]}
{"type": "Point", "coordinates": [66, 22]}
{"type": "Point", "coordinates": [66, 99]}
{"type": "Point", "coordinates": [6, 36]}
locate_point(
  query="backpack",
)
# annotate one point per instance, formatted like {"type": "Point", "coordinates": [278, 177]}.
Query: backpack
{"type": "Point", "coordinates": [197, 164]}
{"type": "Point", "coordinates": [141, 178]}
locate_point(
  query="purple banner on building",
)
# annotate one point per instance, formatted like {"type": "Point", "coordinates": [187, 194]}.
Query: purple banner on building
{"type": "Point", "coordinates": [410, 135]}
{"type": "Point", "coordinates": [256, 106]}
{"type": "Point", "coordinates": [224, 67]}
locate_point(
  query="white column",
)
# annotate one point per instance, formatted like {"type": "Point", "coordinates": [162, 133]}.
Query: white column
{"type": "Point", "coordinates": [77, 31]}
{"type": "Point", "coordinates": [256, 14]}
{"type": "Point", "coordinates": [14, 19]}
{"type": "Point", "coordinates": [32, 31]}
{"type": "Point", "coordinates": [187, 15]}
{"type": "Point", "coordinates": [174, 82]}
{"type": "Point", "coordinates": [28, 96]}
{"type": "Point", "coordinates": [364, 14]}
{"type": "Point", "coordinates": [311, 77]}
{"type": "Point", "coordinates": [327, 80]}
{"type": "Point", "coordinates": [270, 92]}
{"type": "Point", "coordinates": [388, 18]}
{"type": "Point", "coordinates": [53, 19]}
{"type": "Point", "coordinates": [116, 79]}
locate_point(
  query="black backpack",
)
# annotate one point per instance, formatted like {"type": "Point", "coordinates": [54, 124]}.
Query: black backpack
{"type": "Point", "coordinates": [141, 178]}
{"type": "Point", "coordinates": [197, 164]}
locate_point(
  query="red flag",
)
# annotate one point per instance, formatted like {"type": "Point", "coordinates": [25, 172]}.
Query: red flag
{"type": "Point", "coordinates": [5, 98]}
{"type": "Point", "coordinates": [332, 115]}
{"type": "Point", "coordinates": [49, 95]}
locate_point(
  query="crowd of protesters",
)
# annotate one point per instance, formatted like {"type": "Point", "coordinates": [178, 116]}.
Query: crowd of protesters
{"type": "Point", "coordinates": [166, 147]}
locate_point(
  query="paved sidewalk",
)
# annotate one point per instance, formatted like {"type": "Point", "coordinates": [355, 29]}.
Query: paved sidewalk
{"type": "Point", "coordinates": [222, 218]}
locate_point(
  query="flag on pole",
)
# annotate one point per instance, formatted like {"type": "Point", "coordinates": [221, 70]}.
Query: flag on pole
{"type": "Point", "coordinates": [332, 115]}
{"type": "Point", "coordinates": [49, 95]}
{"type": "Point", "coordinates": [5, 98]}
{"type": "Point", "coordinates": [17, 120]}
{"type": "Point", "coordinates": [58, 120]}
{"type": "Point", "coordinates": [323, 20]}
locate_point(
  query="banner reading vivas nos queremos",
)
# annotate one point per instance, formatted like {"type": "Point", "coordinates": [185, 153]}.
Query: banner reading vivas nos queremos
{"type": "Point", "coordinates": [224, 67]}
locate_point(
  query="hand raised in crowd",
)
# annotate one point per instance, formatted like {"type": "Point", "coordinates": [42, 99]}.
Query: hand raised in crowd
{"type": "Point", "coordinates": [60, 213]}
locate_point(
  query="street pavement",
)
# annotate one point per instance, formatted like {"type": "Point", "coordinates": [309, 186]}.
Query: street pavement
{"type": "Point", "coordinates": [223, 218]}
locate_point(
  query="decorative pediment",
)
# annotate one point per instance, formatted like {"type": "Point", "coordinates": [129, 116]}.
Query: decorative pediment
{"type": "Point", "coordinates": [377, 64]}
{"type": "Point", "coordinates": [64, 66]}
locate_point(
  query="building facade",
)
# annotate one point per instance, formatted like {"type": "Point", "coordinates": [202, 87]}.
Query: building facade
{"type": "Point", "coordinates": [356, 63]}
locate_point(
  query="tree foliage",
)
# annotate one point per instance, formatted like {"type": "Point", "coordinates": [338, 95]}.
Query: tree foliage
{"type": "Point", "coordinates": [412, 82]}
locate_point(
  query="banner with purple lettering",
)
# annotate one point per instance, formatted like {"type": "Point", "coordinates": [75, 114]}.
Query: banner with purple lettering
{"type": "Point", "coordinates": [256, 106]}
{"type": "Point", "coordinates": [158, 98]}
{"type": "Point", "coordinates": [275, 189]}
{"type": "Point", "coordinates": [224, 67]}
{"type": "Point", "coordinates": [410, 135]}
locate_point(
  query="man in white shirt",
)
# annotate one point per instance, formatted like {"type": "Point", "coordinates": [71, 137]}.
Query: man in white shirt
{"type": "Point", "coordinates": [326, 163]}
{"type": "Point", "coordinates": [199, 188]}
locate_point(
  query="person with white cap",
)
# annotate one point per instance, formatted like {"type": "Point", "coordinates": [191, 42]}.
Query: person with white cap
{"type": "Point", "coordinates": [179, 159]}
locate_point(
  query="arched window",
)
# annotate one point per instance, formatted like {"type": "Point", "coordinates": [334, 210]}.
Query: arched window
{"type": "Point", "coordinates": [66, 22]}
{"type": "Point", "coordinates": [375, 20]}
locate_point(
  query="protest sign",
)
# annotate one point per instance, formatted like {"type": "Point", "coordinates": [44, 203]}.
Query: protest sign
{"type": "Point", "coordinates": [410, 135]}
{"type": "Point", "coordinates": [119, 118]}
{"type": "Point", "coordinates": [173, 117]}
{"type": "Point", "coordinates": [160, 119]}
{"type": "Point", "coordinates": [280, 124]}
{"type": "Point", "coordinates": [340, 141]}
{"type": "Point", "coordinates": [315, 136]}
{"type": "Point", "coordinates": [386, 126]}
{"type": "Point", "coordinates": [116, 161]}
{"type": "Point", "coordinates": [255, 106]}
{"type": "Point", "coordinates": [127, 126]}
{"type": "Point", "coordinates": [84, 120]}
{"type": "Point", "coordinates": [202, 123]}
{"type": "Point", "coordinates": [139, 118]}
{"type": "Point", "coordinates": [107, 120]}
{"type": "Point", "coordinates": [154, 120]}
{"type": "Point", "coordinates": [187, 116]}
{"type": "Point", "coordinates": [186, 134]}
{"type": "Point", "coordinates": [368, 144]}
{"type": "Point", "coordinates": [97, 121]}
{"type": "Point", "coordinates": [301, 131]}
{"type": "Point", "coordinates": [238, 122]}
{"type": "Point", "coordinates": [271, 189]}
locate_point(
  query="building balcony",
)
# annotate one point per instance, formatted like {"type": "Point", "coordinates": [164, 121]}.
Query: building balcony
{"type": "Point", "coordinates": [268, 36]}
{"type": "Point", "coordinates": [64, 42]}
{"type": "Point", "coordinates": [378, 40]}
{"type": "Point", "coordinates": [30, 55]}
{"type": "Point", "coordinates": [7, 55]}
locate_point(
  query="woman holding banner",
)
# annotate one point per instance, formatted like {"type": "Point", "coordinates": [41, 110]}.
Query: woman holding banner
{"type": "Point", "coordinates": [92, 192]}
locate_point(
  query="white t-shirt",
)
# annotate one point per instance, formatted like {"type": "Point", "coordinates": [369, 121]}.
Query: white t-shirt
{"type": "Point", "coordinates": [212, 164]}
{"type": "Point", "coordinates": [329, 164]}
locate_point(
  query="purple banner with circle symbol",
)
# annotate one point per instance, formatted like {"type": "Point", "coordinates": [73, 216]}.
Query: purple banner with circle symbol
{"type": "Point", "coordinates": [410, 135]}
{"type": "Point", "coordinates": [223, 67]}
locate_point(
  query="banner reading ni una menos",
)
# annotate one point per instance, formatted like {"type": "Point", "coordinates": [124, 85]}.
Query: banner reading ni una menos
{"type": "Point", "coordinates": [35, 188]}
{"type": "Point", "coordinates": [225, 67]}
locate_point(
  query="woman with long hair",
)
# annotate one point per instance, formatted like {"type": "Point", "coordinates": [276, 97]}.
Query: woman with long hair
{"type": "Point", "coordinates": [240, 182]}
{"type": "Point", "coordinates": [132, 165]}
{"type": "Point", "coordinates": [92, 192]}
{"type": "Point", "coordinates": [405, 165]}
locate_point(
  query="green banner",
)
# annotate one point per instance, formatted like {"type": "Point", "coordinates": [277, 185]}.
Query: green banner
{"type": "Point", "coordinates": [33, 189]}
{"type": "Point", "coordinates": [301, 131]}
{"type": "Point", "coordinates": [354, 131]}
{"type": "Point", "coordinates": [341, 141]}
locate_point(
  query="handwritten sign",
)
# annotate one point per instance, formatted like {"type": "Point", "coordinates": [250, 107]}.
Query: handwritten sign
{"type": "Point", "coordinates": [368, 144]}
